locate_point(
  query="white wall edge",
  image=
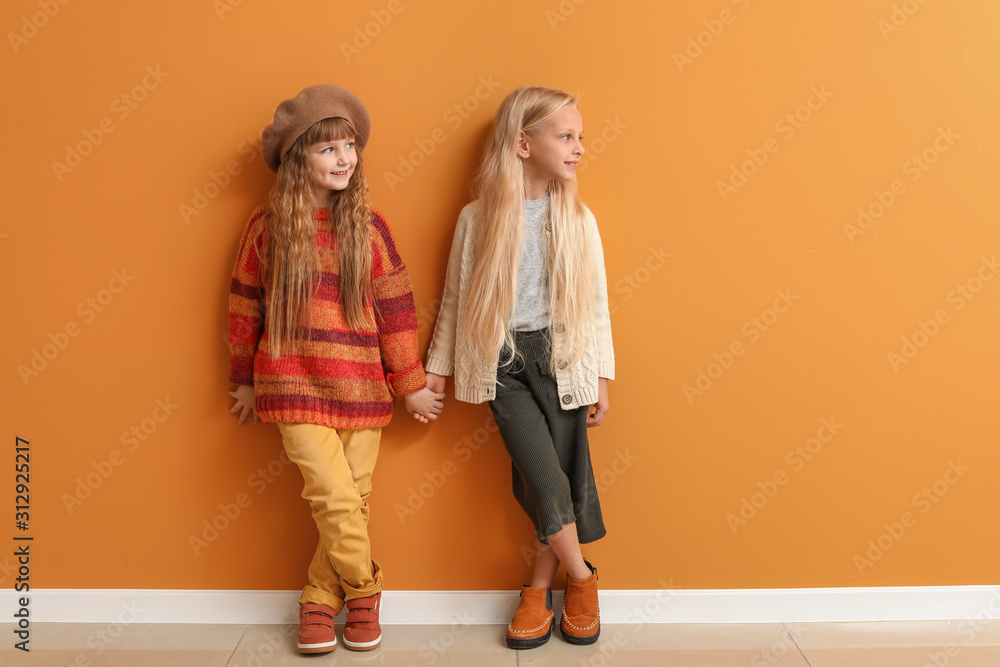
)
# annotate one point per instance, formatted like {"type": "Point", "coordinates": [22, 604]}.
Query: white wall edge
{"type": "Point", "coordinates": [789, 605]}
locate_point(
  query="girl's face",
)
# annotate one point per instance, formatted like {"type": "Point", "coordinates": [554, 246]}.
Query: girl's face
{"type": "Point", "coordinates": [555, 151]}
{"type": "Point", "coordinates": [331, 164]}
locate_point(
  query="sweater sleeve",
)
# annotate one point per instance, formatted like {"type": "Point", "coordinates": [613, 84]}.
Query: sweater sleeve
{"type": "Point", "coordinates": [441, 353]}
{"type": "Point", "coordinates": [246, 301]}
{"type": "Point", "coordinates": [602, 314]}
{"type": "Point", "coordinates": [395, 313]}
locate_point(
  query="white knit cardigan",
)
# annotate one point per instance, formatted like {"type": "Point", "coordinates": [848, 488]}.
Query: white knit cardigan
{"type": "Point", "coordinates": [450, 354]}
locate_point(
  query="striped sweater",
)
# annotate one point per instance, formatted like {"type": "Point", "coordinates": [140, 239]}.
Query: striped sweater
{"type": "Point", "coordinates": [330, 375]}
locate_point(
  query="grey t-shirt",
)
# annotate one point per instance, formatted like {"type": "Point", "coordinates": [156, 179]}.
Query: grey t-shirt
{"type": "Point", "coordinates": [532, 310]}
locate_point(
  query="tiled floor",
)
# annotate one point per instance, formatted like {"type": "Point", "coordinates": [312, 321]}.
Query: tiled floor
{"type": "Point", "coordinates": [887, 644]}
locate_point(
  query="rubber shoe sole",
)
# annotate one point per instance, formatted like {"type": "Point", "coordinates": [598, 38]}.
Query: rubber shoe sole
{"type": "Point", "coordinates": [579, 641]}
{"type": "Point", "coordinates": [534, 642]}
{"type": "Point", "coordinates": [324, 647]}
{"type": "Point", "coordinates": [363, 646]}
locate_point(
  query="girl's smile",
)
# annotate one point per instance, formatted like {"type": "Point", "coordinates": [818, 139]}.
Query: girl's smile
{"type": "Point", "coordinates": [554, 152]}
{"type": "Point", "coordinates": [331, 165]}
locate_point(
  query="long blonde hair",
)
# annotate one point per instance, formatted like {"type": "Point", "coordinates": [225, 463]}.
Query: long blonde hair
{"type": "Point", "coordinates": [499, 231]}
{"type": "Point", "coordinates": [291, 261]}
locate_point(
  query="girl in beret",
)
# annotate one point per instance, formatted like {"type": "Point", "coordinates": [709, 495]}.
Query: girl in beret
{"type": "Point", "coordinates": [323, 333]}
{"type": "Point", "coordinates": [524, 325]}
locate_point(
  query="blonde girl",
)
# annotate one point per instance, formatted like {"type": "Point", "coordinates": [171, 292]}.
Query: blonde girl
{"type": "Point", "coordinates": [323, 333]}
{"type": "Point", "coordinates": [524, 325]}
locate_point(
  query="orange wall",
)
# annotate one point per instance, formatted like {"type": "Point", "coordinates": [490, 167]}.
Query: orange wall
{"type": "Point", "coordinates": [691, 264]}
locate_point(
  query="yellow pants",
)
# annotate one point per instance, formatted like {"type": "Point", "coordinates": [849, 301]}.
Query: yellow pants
{"type": "Point", "coordinates": [337, 469]}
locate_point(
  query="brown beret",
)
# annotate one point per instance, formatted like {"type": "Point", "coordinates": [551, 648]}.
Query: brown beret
{"type": "Point", "coordinates": [293, 117]}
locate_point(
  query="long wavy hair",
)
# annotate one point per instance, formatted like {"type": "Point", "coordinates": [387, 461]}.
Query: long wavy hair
{"type": "Point", "coordinates": [291, 261]}
{"type": "Point", "coordinates": [499, 231]}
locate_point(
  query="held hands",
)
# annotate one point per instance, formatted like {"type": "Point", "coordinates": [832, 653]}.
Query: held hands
{"type": "Point", "coordinates": [598, 411]}
{"type": "Point", "coordinates": [435, 382]}
{"type": "Point", "coordinates": [427, 403]}
{"type": "Point", "coordinates": [244, 402]}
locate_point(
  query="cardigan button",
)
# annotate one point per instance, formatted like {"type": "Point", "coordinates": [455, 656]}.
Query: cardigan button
{"type": "Point", "coordinates": [560, 328]}
{"type": "Point", "coordinates": [567, 399]}
{"type": "Point", "coordinates": [563, 365]}
{"type": "Point", "coordinates": [548, 226]}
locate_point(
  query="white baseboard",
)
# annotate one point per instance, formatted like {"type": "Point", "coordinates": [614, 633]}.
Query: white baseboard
{"type": "Point", "coordinates": [805, 605]}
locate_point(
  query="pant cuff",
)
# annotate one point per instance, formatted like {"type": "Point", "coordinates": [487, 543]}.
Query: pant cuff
{"type": "Point", "coordinates": [313, 595]}
{"type": "Point", "coordinates": [364, 591]}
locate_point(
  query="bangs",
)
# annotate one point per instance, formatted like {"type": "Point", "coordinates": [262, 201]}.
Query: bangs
{"type": "Point", "coordinates": [329, 129]}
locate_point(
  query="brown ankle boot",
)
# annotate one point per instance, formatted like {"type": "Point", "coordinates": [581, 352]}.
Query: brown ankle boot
{"type": "Point", "coordinates": [581, 617]}
{"type": "Point", "coordinates": [532, 623]}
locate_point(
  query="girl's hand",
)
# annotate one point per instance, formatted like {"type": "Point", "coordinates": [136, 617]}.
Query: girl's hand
{"type": "Point", "coordinates": [598, 411]}
{"type": "Point", "coordinates": [424, 404]}
{"type": "Point", "coordinates": [244, 402]}
{"type": "Point", "coordinates": [435, 383]}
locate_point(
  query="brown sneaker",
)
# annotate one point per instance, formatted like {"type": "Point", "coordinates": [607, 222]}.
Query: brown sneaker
{"type": "Point", "coordinates": [362, 632]}
{"type": "Point", "coordinates": [581, 617]}
{"type": "Point", "coordinates": [532, 623]}
{"type": "Point", "coordinates": [316, 629]}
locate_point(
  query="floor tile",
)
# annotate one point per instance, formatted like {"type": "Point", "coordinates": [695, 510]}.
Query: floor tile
{"type": "Point", "coordinates": [114, 658]}
{"type": "Point", "coordinates": [899, 633]}
{"type": "Point", "coordinates": [403, 645]}
{"type": "Point", "coordinates": [901, 644]}
{"type": "Point", "coordinates": [679, 644]}
{"type": "Point", "coordinates": [123, 645]}
{"type": "Point", "coordinates": [903, 656]}
{"type": "Point", "coordinates": [139, 636]}
{"type": "Point", "coordinates": [885, 644]}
